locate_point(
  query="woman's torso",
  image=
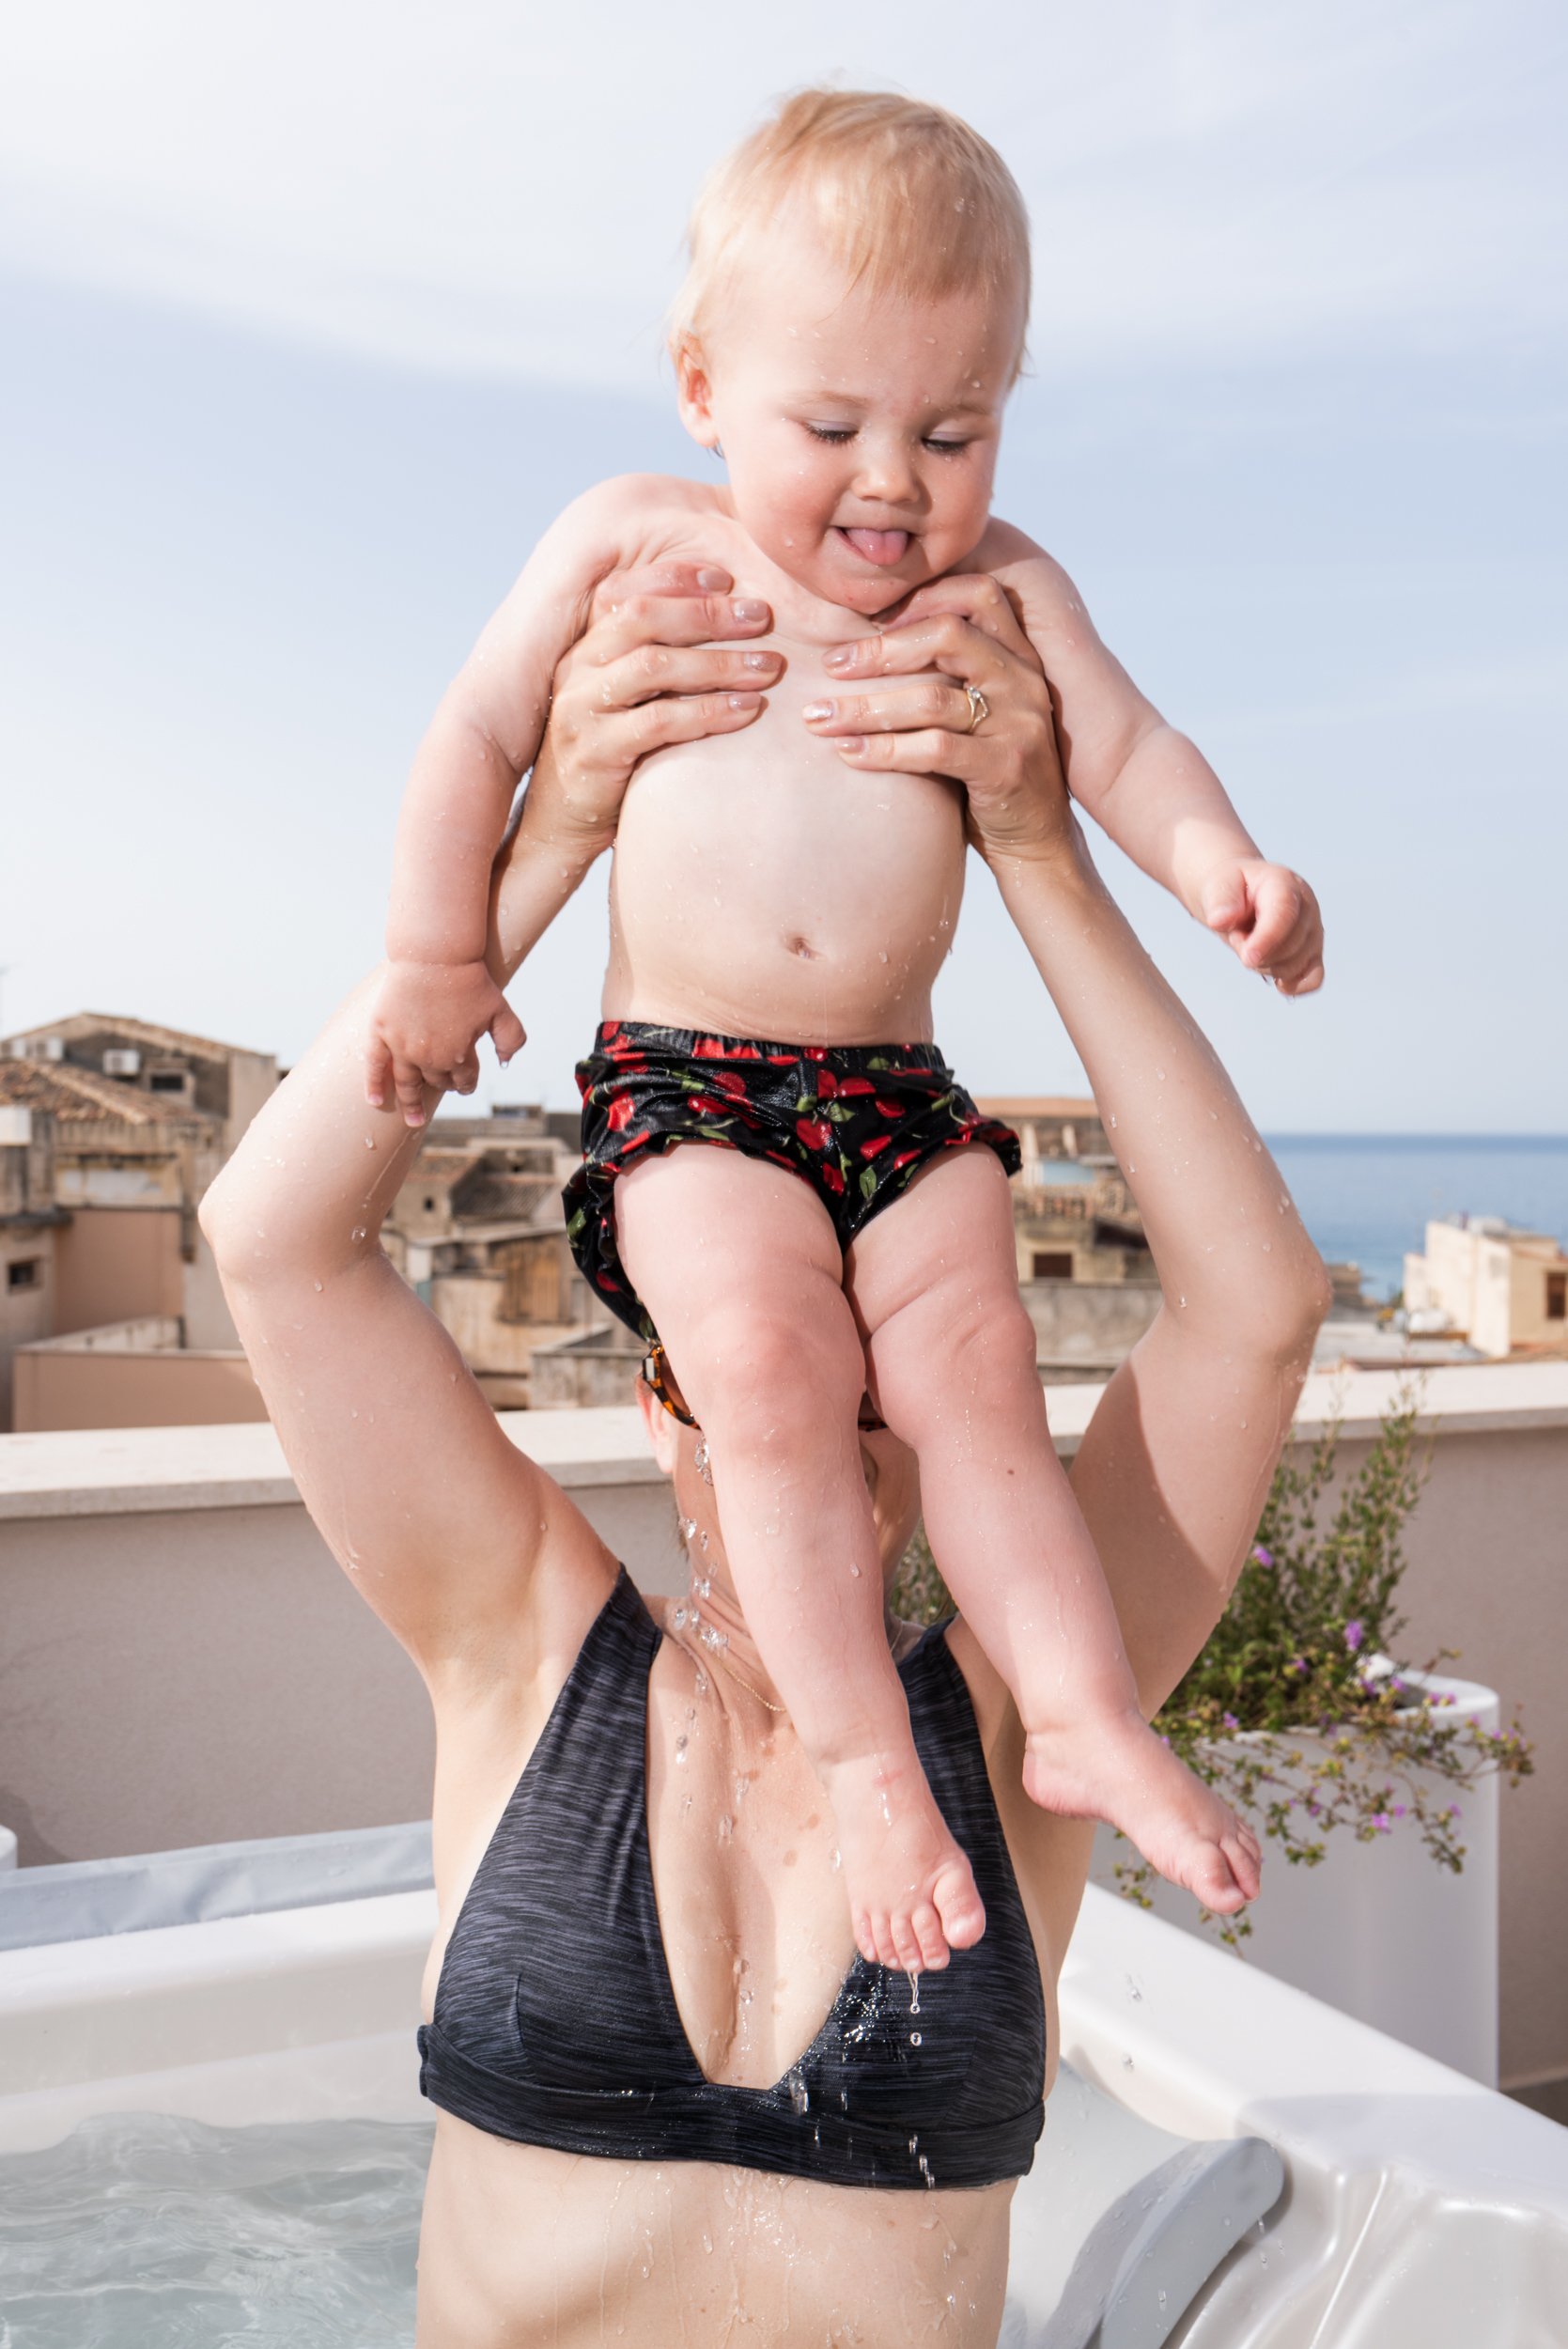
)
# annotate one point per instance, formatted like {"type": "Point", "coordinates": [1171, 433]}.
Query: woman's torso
{"type": "Point", "coordinates": [764, 887]}
{"type": "Point", "coordinates": [524, 2242]}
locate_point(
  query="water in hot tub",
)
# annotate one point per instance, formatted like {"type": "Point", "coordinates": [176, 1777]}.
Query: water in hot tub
{"type": "Point", "coordinates": [141, 2229]}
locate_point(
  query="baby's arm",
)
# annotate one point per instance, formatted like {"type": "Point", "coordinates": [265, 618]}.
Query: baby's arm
{"type": "Point", "coordinates": [437, 997]}
{"type": "Point", "coordinates": [1152, 789]}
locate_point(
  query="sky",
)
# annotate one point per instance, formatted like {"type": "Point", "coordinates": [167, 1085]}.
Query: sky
{"type": "Point", "coordinates": [315, 316]}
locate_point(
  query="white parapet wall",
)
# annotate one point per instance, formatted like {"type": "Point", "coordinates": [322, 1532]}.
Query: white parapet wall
{"type": "Point", "coordinates": [185, 1665]}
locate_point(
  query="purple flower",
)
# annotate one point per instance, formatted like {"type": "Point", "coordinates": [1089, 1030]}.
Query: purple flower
{"type": "Point", "coordinates": [1229, 1720]}
{"type": "Point", "coordinates": [1264, 1557]}
{"type": "Point", "coordinates": [1296, 1664]}
{"type": "Point", "coordinates": [1399, 1809]}
{"type": "Point", "coordinates": [1354, 1632]}
{"type": "Point", "coordinates": [1381, 1822]}
{"type": "Point", "coordinates": [1453, 1812]}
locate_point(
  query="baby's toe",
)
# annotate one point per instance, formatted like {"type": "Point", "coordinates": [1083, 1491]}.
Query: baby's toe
{"type": "Point", "coordinates": [1246, 1863]}
{"type": "Point", "coordinates": [933, 1941]}
{"type": "Point", "coordinates": [906, 1944]}
{"type": "Point", "coordinates": [958, 1907]}
{"type": "Point", "coordinates": [884, 1950]}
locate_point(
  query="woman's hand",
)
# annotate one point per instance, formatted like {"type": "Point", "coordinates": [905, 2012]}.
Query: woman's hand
{"type": "Point", "coordinates": [1001, 746]}
{"type": "Point", "coordinates": [646, 671]}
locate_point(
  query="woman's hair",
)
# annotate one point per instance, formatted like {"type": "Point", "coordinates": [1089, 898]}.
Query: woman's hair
{"type": "Point", "coordinates": [908, 199]}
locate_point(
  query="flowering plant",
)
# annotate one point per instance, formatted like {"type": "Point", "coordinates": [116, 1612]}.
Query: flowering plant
{"type": "Point", "coordinates": [1295, 1711]}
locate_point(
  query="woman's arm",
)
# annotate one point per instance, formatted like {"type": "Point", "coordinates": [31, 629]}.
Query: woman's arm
{"type": "Point", "coordinates": [437, 1517]}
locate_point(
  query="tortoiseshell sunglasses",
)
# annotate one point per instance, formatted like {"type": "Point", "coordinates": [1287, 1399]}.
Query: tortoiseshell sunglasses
{"type": "Point", "coordinates": [661, 1379]}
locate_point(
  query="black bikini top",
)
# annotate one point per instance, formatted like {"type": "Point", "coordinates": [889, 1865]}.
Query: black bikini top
{"type": "Point", "coordinates": [555, 2022]}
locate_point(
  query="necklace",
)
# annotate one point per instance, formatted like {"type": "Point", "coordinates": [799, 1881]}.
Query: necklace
{"type": "Point", "coordinates": [725, 1665]}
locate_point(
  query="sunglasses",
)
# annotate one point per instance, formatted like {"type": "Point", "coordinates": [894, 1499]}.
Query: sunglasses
{"type": "Point", "coordinates": [661, 1379]}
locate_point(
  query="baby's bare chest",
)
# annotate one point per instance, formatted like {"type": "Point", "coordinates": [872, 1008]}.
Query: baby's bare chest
{"type": "Point", "coordinates": [778, 799]}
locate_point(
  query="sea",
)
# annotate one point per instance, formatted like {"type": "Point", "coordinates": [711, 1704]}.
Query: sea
{"type": "Point", "coordinates": [1366, 1199]}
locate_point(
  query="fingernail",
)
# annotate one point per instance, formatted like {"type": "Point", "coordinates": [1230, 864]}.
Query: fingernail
{"type": "Point", "coordinates": [842, 657]}
{"type": "Point", "coordinates": [748, 608]}
{"type": "Point", "coordinates": [819, 709]}
{"type": "Point", "coordinates": [759, 660]}
{"type": "Point", "coordinates": [850, 742]}
{"type": "Point", "coordinates": [714, 579]}
{"type": "Point", "coordinates": [745, 701]}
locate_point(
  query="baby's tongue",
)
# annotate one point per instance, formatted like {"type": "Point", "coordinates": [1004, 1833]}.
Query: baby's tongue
{"type": "Point", "coordinates": [879, 545]}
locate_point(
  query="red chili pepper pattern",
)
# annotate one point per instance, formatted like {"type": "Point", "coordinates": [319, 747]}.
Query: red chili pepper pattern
{"type": "Point", "coordinates": [830, 1115]}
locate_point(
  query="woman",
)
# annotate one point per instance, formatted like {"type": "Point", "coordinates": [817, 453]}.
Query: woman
{"type": "Point", "coordinates": [646, 2126]}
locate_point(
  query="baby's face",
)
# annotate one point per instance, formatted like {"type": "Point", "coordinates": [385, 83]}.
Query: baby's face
{"type": "Point", "coordinates": [860, 430]}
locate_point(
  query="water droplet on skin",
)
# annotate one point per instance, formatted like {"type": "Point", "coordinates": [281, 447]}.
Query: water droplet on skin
{"type": "Point", "coordinates": [726, 1828]}
{"type": "Point", "coordinates": [680, 1751]}
{"type": "Point", "coordinates": [854, 1570]}
{"type": "Point", "coordinates": [687, 1529]}
{"type": "Point", "coordinates": [835, 1860]}
{"type": "Point", "coordinates": [318, 1289]}
{"type": "Point", "coordinates": [700, 1461]}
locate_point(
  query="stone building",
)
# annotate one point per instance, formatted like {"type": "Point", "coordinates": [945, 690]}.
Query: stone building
{"type": "Point", "coordinates": [1482, 1278]}
{"type": "Point", "coordinates": [478, 1231]}
{"type": "Point", "coordinates": [111, 1129]}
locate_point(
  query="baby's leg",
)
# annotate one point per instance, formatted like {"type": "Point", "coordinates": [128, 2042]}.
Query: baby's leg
{"type": "Point", "coordinates": [934, 1283]}
{"type": "Point", "coordinates": [740, 1269]}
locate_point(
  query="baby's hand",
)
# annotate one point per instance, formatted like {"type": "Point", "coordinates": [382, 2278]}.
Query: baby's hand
{"type": "Point", "coordinates": [425, 1031]}
{"type": "Point", "coordinates": [1270, 917]}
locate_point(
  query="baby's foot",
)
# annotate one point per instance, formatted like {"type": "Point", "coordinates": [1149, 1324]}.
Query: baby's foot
{"type": "Point", "coordinates": [911, 1891]}
{"type": "Point", "coordinates": [1115, 1767]}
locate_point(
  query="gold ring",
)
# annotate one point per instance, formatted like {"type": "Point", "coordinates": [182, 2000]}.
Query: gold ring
{"type": "Point", "coordinates": [979, 707]}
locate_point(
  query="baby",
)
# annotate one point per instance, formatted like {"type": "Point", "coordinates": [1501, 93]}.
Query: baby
{"type": "Point", "coordinates": [847, 339]}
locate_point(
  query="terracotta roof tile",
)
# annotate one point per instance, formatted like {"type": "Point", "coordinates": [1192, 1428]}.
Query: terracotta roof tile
{"type": "Point", "coordinates": [80, 1023]}
{"type": "Point", "coordinates": [81, 1097]}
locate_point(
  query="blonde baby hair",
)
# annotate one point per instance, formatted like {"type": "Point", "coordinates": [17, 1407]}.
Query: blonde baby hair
{"type": "Point", "coordinates": [908, 199]}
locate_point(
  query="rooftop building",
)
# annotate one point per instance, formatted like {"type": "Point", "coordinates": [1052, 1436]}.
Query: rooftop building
{"type": "Point", "coordinates": [1503, 1289]}
{"type": "Point", "coordinates": [111, 1129]}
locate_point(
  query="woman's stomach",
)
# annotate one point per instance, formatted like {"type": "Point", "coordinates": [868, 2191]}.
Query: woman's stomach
{"type": "Point", "coordinates": [522, 2243]}
{"type": "Point", "coordinates": [763, 888]}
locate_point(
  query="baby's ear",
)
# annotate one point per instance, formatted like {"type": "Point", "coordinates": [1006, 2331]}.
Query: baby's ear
{"type": "Point", "coordinates": [693, 391]}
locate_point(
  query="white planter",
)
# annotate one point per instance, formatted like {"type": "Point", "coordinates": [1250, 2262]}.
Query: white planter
{"type": "Point", "coordinates": [1379, 1929]}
